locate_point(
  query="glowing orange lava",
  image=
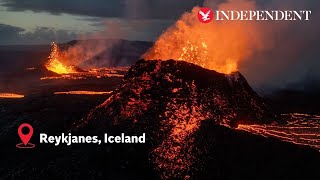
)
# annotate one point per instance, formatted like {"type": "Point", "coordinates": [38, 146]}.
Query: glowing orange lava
{"type": "Point", "coordinates": [98, 73]}
{"type": "Point", "coordinates": [302, 129]}
{"type": "Point", "coordinates": [84, 92]}
{"type": "Point", "coordinates": [11, 95]}
{"type": "Point", "coordinates": [177, 153]}
{"type": "Point", "coordinates": [218, 46]}
{"type": "Point", "coordinates": [55, 62]}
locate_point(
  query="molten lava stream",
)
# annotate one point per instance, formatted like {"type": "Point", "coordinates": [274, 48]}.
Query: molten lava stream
{"type": "Point", "coordinates": [301, 129]}
{"type": "Point", "coordinates": [57, 63]}
{"type": "Point", "coordinates": [84, 92]}
{"type": "Point", "coordinates": [11, 95]}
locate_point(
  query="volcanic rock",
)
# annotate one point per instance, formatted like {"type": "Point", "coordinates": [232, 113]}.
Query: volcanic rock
{"type": "Point", "coordinates": [169, 101]}
{"type": "Point", "coordinates": [168, 87]}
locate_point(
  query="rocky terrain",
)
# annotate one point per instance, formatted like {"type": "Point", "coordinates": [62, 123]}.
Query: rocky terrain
{"type": "Point", "coordinates": [191, 117]}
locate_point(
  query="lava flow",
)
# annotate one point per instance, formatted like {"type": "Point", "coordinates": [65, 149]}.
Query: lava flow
{"type": "Point", "coordinates": [84, 92]}
{"type": "Point", "coordinates": [55, 63]}
{"type": "Point", "coordinates": [299, 129]}
{"type": "Point", "coordinates": [11, 95]}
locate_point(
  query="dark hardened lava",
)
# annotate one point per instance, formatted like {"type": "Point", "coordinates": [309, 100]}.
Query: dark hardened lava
{"type": "Point", "coordinates": [209, 150]}
{"type": "Point", "coordinates": [149, 86]}
{"type": "Point", "coordinates": [168, 100]}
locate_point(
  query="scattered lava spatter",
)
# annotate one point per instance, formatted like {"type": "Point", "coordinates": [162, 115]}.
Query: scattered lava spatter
{"type": "Point", "coordinates": [169, 100]}
{"type": "Point", "coordinates": [176, 153]}
{"type": "Point", "coordinates": [55, 63]}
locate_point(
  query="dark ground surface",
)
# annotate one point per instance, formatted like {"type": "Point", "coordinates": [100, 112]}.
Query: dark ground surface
{"type": "Point", "coordinates": [286, 101]}
{"type": "Point", "coordinates": [234, 154]}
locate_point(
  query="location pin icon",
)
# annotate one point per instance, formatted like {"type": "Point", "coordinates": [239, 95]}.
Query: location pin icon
{"type": "Point", "coordinates": [25, 137]}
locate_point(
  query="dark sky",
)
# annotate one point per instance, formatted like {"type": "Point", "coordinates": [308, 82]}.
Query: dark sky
{"type": "Point", "coordinates": [41, 21]}
{"type": "Point", "coordinates": [158, 9]}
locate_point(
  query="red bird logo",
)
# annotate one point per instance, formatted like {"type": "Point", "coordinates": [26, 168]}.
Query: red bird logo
{"type": "Point", "coordinates": [205, 15]}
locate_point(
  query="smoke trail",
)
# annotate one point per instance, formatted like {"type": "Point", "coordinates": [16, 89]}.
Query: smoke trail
{"type": "Point", "coordinates": [94, 44]}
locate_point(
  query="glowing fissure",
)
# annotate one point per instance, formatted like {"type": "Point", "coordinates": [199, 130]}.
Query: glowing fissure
{"type": "Point", "coordinates": [300, 129]}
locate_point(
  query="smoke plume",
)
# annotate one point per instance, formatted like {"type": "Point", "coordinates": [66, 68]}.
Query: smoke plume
{"type": "Point", "coordinates": [91, 45]}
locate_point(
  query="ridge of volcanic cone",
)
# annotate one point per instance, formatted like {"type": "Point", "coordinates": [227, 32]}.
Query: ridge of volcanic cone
{"type": "Point", "coordinates": [153, 85]}
{"type": "Point", "coordinates": [188, 71]}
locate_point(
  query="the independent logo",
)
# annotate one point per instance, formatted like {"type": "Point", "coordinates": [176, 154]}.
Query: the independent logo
{"type": "Point", "coordinates": [205, 15]}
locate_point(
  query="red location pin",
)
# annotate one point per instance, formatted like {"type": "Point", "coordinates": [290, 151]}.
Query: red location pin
{"type": "Point", "coordinates": [25, 137]}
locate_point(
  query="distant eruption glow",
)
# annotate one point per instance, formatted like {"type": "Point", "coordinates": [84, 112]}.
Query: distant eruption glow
{"type": "Point", "coordinates": [55, 63]}
{"type": "Point", "coordinates": [218, 45]}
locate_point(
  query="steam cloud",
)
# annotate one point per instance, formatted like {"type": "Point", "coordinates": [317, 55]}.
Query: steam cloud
{"type": "Point", "coordinates": [92, 45]}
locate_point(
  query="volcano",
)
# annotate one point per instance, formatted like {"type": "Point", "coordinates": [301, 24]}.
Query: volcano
{"type": "Point", "coordinates": [155, 89]}
{"type": "Point", "coordinates": [169, 100]}
{"type": "Point", "coordinates": [182, 108]}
